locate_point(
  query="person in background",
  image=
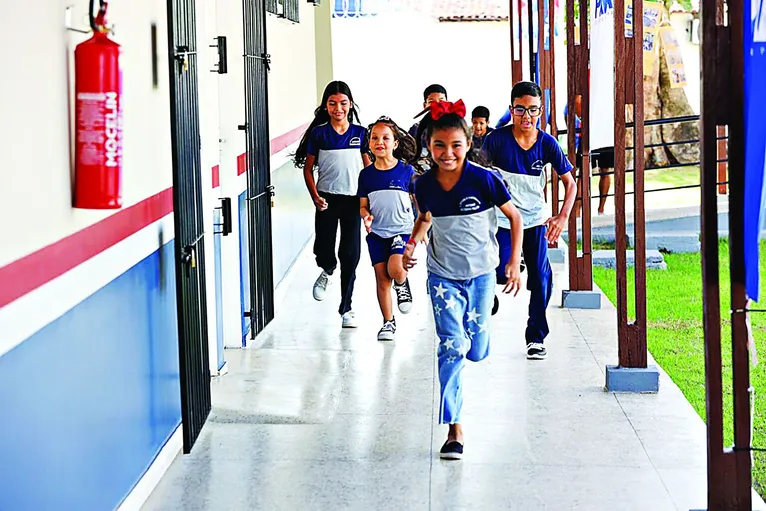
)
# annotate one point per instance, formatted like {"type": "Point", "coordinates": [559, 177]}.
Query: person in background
{"type": "Point", "coordinates": [337, 147]}
{"type": "Point", "coordinates": [432, 93]}
{"type": "Point", "coordinates": [480, 124]}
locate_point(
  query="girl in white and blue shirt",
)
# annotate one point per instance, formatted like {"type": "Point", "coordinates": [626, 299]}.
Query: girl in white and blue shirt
{"type": "Point", "coordinates": [457, 200]}
{"type": "Point", "coordinates": [385, 195]}
{"type": "Point", "coordinates": [338, 149]}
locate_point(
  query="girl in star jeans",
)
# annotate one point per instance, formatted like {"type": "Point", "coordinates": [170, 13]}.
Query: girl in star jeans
{"type": "Point", "coordinates": [456, 199]}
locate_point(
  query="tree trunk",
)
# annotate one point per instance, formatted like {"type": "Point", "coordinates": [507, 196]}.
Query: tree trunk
{"type": "Point", "coordinates": [675, 104]}
{"type": "Point", "coordinates": [663, 102]}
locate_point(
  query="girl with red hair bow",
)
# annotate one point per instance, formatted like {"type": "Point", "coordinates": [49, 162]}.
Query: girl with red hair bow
{"type": "Point", "coordinates": [456, 200]}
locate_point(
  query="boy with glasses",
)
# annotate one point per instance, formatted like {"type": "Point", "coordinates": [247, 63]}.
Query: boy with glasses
{"type": "Point", "coordinates": [521, 151]}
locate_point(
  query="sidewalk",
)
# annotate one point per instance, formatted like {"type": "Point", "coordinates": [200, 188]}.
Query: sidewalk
{"type": "Point", "coordinates": [313, 417]}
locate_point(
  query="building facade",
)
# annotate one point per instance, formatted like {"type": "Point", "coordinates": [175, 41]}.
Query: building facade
{"type": "Point", "coordinates": [92, 338]}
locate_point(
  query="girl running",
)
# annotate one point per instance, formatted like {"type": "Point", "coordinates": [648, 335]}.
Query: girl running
{"type": "Point", "coordinates": [337, 147]}
{"type": "Point", "coordinates": [385, 189]}
{"type": "Point", "coordinates": [457, 199]}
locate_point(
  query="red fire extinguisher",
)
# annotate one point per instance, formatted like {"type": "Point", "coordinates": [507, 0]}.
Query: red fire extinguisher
{"type": "Point", "coordinates": [98, 118]}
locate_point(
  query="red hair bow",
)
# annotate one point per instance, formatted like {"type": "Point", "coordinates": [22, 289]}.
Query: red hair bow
{"type": "Point", "coordinates": [440, 108]}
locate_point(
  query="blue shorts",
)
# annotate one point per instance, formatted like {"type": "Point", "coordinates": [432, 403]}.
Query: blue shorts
{"type": "Point", "coordinates": [383, 248]}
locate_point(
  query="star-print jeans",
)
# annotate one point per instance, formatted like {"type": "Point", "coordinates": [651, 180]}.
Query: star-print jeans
{"type": "Point", "coordinates": [462, 309]}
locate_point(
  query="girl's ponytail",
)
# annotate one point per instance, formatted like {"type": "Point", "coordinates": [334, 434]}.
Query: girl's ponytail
{"type": "Point", "coordinates": [422, 164]}
{"type": "Point", "coordinates": [320, 117]}
{"type": "Point", "coordinates": [405, 150]}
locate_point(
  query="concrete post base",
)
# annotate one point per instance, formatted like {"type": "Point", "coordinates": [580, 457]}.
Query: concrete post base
{"type": "Point", "coordinates": [629, 379]}
{"type": "Point", "coordinates": [557, 255]}
{"type": "Point", "coordinates": [581, 299]}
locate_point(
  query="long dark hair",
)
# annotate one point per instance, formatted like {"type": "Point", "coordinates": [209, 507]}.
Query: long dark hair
{"type": "Point", "coordinates": [406, 148]}
{"type": "Point", "coordinates": [322, 116]}
{"type": "Point", "coordinates": [447, 121]}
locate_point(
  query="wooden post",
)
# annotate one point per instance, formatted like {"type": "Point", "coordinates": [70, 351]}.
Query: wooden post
{"type": "Point", "coordinates": [722, 174]}
{"type": "Point", "coordinates": [580, 266]}
{"type": "Point", "coordinates": [531, 41]}
{"type": "Point", "coordinates": [516, 46]}
{"type": "Point", "coordinates": [543, 72]}
{"type": "Point", "coordinates": [629, 90]}
{"type": "Point", "coordinates": [552, 81]}
{"type": "Point", "coordinates": [722, 69]}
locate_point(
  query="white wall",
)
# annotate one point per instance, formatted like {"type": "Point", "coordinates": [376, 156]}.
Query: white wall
{"type": "Point", "coordinates": [36, 192]}
{"type": "Point", "coordinates": [292, 80]}
{"type": "Point", "coordinates": [292, 100]}
{"type": "Point", "coordinates": [210, 153]}
{"type": "Point", "coordinates": [387, 72]}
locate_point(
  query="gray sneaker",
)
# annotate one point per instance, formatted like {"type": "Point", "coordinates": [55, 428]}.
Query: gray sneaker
{"type": "Point", "coordinates": [321, 285]}
{"type": "Point", "coordinates": [388, 332]}
{"type": "Point", "coordinates": [349, 320]}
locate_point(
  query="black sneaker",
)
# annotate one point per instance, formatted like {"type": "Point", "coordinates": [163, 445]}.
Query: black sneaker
{"type": "Point", "coordinates": [451, 450]}
{"type": "Point", "coordinates": [536, 351]}
{"type": "Point", "coordinates": [403, 296]}
{"type": "Point", "coordinates": [388, 332]}
{"type": "Point", "coordinates": [495, 306]}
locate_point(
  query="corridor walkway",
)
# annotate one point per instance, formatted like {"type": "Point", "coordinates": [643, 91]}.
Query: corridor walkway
{"type": "Point", "coordinates": [316, 418]}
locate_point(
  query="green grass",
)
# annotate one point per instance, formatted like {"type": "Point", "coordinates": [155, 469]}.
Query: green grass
{"type": "Point", "coordinates": [599, 245]}
{"type": "Point", "coordinates": [659, 178]}
{"type": "Point", "coordinates": [675, 336]}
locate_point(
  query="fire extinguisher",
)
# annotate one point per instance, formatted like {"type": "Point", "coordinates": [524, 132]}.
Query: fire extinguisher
{"type": "Point", "coordinates": [98, 118]}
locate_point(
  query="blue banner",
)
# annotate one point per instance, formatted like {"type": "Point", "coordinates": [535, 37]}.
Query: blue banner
{"type": "Point", "coordinates": [755, 138]}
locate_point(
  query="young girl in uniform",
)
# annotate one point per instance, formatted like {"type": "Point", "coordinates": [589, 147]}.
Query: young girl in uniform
{"type": "Point", "coordinates": [457, 200]}
{"type": "Point", "coordinates": [385, 195]}
{"type": "Point", "coordinates": [338, 149]}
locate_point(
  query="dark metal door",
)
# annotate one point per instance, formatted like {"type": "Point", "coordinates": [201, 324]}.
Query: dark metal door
{"type": "Point", "coordinates": [259, 189]}
{"type": "Point", "coordinates": [189, 226]}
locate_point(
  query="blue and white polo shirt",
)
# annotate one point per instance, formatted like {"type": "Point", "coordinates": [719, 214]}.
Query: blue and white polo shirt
{"type": "Point", "coordinates": [463, 244]}
{"type": "Point", "coordinates": [389, 194]}
{"type": "Point", "coordinates": [523, 171]}
{"type": "Point", "coordinates": [338, 157]}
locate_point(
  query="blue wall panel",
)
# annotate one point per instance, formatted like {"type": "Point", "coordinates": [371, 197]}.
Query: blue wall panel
{"type": "Point", "coordinates": [244, 264]}
{"type": "Point", "coordinates": [292, 218]}
{"type": "Point", "coordinates": [218, 269]}
{"type": "Point", "coordinates": [88, 402]}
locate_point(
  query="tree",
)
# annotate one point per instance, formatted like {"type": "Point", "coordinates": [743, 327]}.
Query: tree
{"type": "Point", "coordinates": [661, 101]}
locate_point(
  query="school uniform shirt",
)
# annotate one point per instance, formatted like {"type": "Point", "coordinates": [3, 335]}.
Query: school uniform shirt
{"type": "Point", "coordinates": [463, 243]}
{"type": "Point", "coordinates": [339, 157]}
{"type": "Point", "coordinates": [523, 172]}
{"type": "Point", "coordinates": [578, 126]}
{"type": "Point", "coordinates": [389, 194]}
{"type": "Point", "coordinates": [478, 141]}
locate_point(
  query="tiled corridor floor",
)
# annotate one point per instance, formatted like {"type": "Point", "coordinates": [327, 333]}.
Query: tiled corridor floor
{"type": "Point", "coordinates": [315, 418]}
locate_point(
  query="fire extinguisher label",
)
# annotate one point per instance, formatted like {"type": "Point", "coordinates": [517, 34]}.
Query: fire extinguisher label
{"type": "Point", "coordinates": [99, 129]}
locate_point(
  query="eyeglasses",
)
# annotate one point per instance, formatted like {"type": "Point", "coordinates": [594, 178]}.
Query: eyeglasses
{"type": "Point", "coordinates": [534, 111]}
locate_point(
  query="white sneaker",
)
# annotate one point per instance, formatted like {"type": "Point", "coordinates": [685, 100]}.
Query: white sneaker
{"type": "Point", "coordinates": [321, 285]}
{"type": "Point", "coordinates": [349, 320]}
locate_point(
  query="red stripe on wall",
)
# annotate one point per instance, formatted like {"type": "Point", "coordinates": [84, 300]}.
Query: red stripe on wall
{"type": "Point", "coordinates": [38, 268]}
{"type": "Point", "coordinates": [277, 144]}
{"type": "Point", "coordinates": [241, 164]}
{"type": "Point", "coordinates": [32, 271]}
{"type": "Point", "coordinates": [283, 141]}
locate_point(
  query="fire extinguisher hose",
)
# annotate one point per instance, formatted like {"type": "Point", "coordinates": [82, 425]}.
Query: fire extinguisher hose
{"type": "Point", "coordinates": [101, 12]}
